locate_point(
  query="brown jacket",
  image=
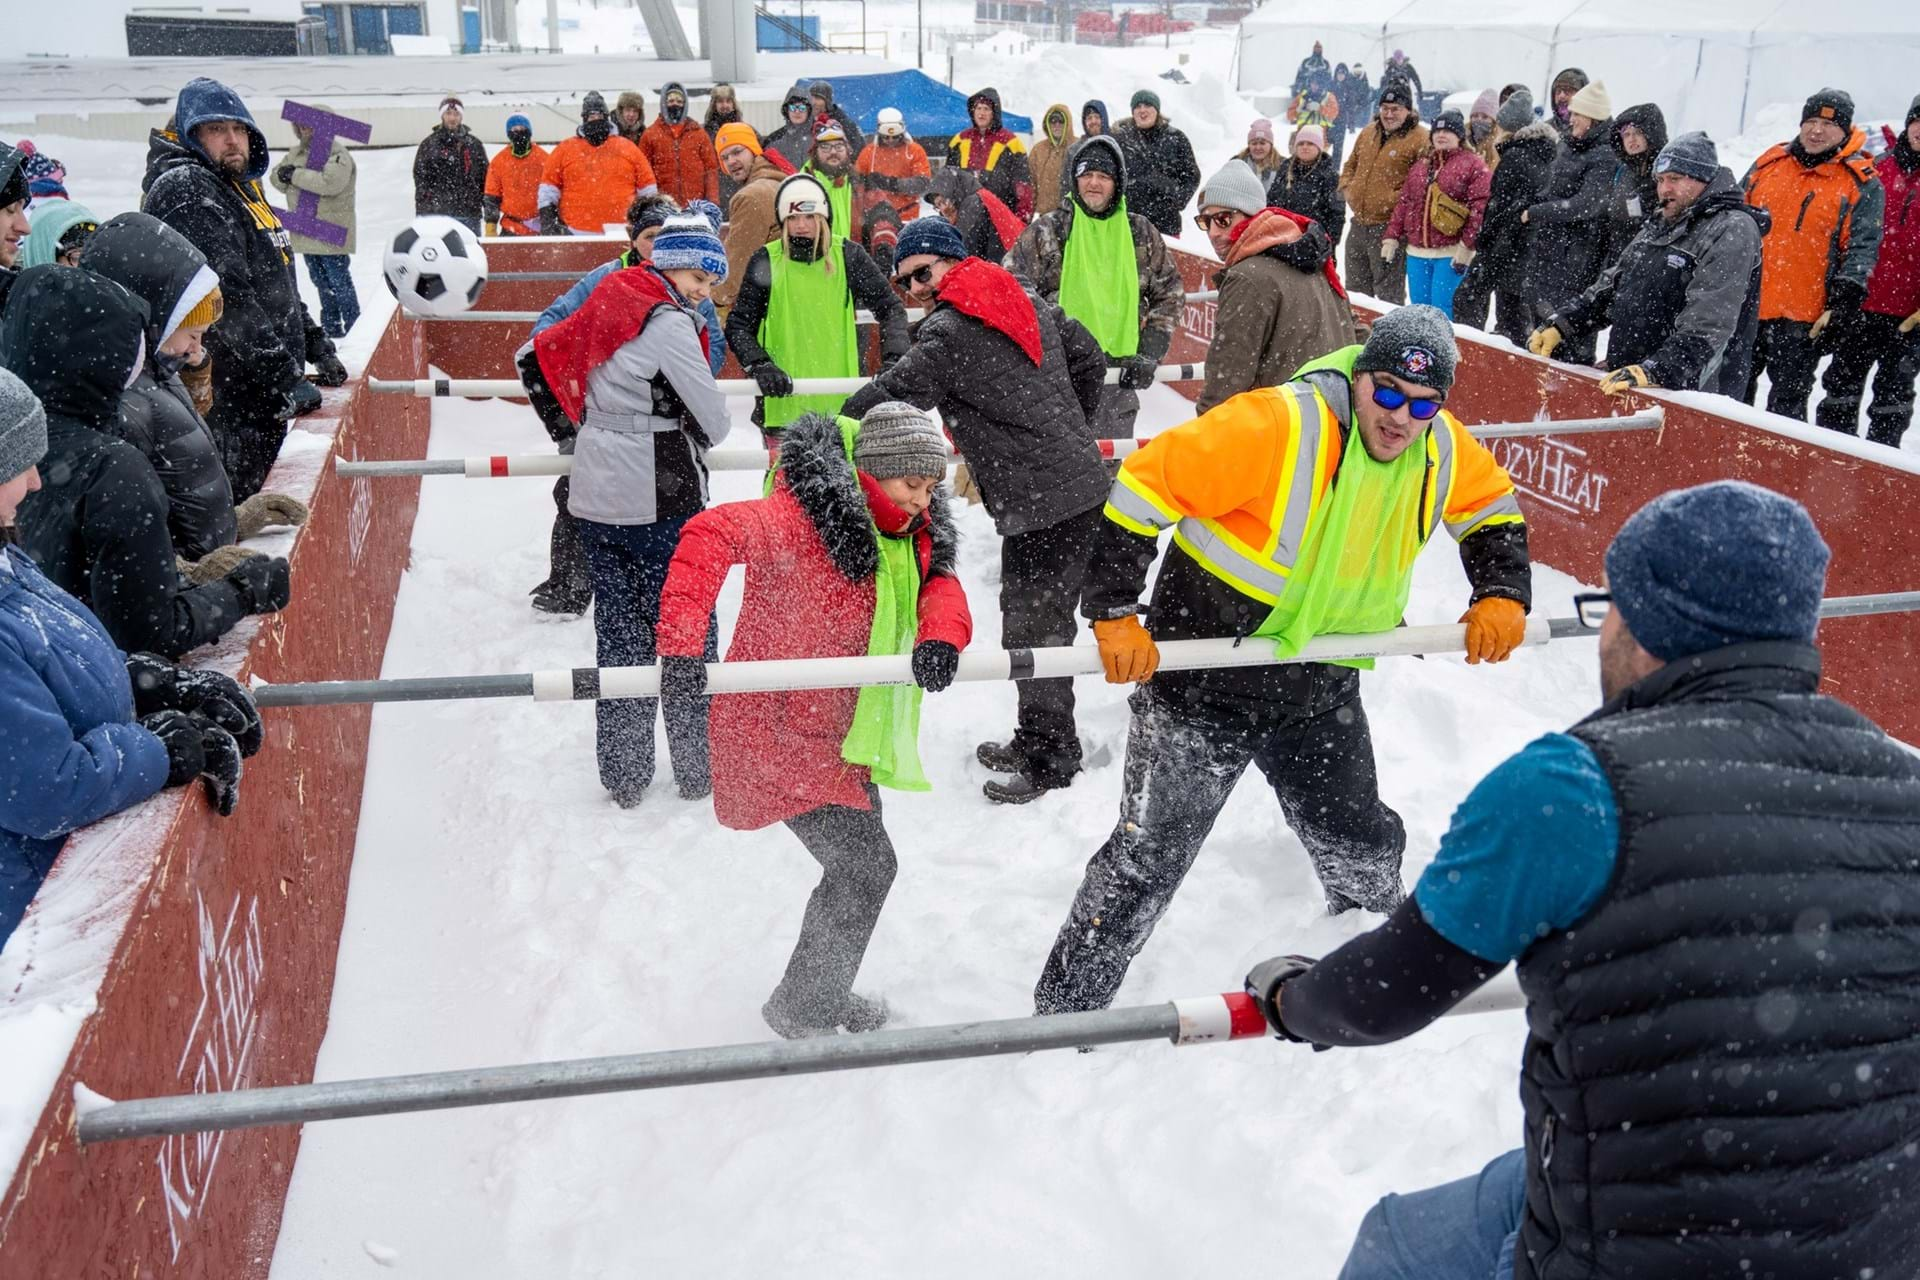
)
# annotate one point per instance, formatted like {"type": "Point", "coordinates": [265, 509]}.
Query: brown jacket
{"type": "Point", "coordinates": [1377, 169]}
{"type": "Point", "coordinates": [750, 224]}
{"type": "Point", "coordinates": [1272, 316]}
{"type": "Point", "coordinates": [1047, 159]}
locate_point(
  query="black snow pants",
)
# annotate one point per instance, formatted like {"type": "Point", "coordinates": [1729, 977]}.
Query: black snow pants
{"type": "Point", "coordinates": [1872, 339]}
{"type": "Point", "coordinates": [566, 557]}
{"type": "Point", "coordinates": [248, 434]}
{"type": "Point", "coordinates": [1042, 573]}
{"type": "Point", "coordinates": [856, 871]}
{"type": "Point", "coordinates": [1183, 759]}
{"type": "Point", "coordinates": [1785, 352]}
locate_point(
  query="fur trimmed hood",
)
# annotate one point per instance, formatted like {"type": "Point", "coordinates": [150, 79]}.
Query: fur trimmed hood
{"type": "Point", "coordinates": [815, 469]}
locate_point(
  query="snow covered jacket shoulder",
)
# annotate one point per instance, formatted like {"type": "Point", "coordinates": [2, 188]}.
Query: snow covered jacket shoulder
{"type": "Point", "coordinates": [1377, 168]}
{"type": "Point", "coordinates": [1313, 192]}
{"type": "Point", "coordinates": [811, 558]}
{"type": "Point", "coordinates": [449, 173]}
{"type": "Point", "coordinates": [1278, 308]}
{"type": "Point", "coordinates": [98, 525]}
{"type": "Point", "coordinates": [1464, 177]}
{"type": "Point", "coordinates": [1517, 185]}
{"type": "Point", "coordinates": [1826, 225]}
{"type": "Point", "coordinates": [157, 265]}
{"type": "Point", "coordinates": [259, 347]}
{"type": "Point", "coordinates": [1894, 289]}
{"type": "Point", "coordinates": [1017, 382]}
{"type": "Point", "coordinates": [73, 751]}
{"type": "Point", "coordinates": [1708, 1090]}
{"type": "Point", "coordinates": [333, 183]}
{"type": "Point", "coordinates": [1571, 223]}
{"type": "Point", "coordinates": [1162, 174]}
{"type": "Point", "coordinates": [1682, 295]}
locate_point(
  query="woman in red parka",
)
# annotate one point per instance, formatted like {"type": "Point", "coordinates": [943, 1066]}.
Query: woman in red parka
{"type": "Point", "coordinates": [852, 553]}
{"type": "Point", "coordinates": [1437, 219]}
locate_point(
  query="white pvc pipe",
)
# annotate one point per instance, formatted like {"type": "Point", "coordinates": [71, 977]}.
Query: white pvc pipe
{"type": "Point", "coordinates": [860, 317]}
{"type": "Point", "coordinates": [512, 388]}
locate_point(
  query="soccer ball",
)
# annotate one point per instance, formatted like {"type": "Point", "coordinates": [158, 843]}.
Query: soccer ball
{"type": "Point", "coordinates": [435, 266]}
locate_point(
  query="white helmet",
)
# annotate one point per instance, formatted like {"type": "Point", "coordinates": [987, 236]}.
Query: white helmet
{"type": "Point", "coordinates": [891, 121]}
{"type": "Point", "coordinates": [802, 193]}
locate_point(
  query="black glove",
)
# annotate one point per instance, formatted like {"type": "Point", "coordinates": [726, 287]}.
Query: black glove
{"type": "Point", "coordinates": [285, 175]}
{"type": "Point", "coordinates": [1264, 982]}
{"type": "Point", "coordinates": [550, 224]}
{"type": "Point", "coordinates": [1136, 372]}
{"type": "Point", "coordinates": [304, 398]}
{"type": "Point", "coordinates": [198, 748]}
{"type": "Point", "coordinates": [159, 685]}
{"type": "Point", "coordinates": [771, 379]}
{"type": "Point", "coordinates": [682, 677]}
{"type": "Point", "coordinates": [265, 584]}
{"type": "Point", "coordinates": [329, 372]}
{"type": "Point", "coordinates": [934, 663]}
{"type": "Point", "coordinates": [1844, 296]}
{"type": "Point", "coordinates": [560, 428]}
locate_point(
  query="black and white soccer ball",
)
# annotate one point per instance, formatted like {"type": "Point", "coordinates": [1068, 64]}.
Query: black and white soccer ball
{"type": "Point", "coordinates": [435, 266]}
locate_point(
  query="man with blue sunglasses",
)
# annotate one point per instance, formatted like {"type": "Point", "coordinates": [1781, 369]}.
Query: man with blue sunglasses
{"type": "Point", "coordinates": [1296, 511]}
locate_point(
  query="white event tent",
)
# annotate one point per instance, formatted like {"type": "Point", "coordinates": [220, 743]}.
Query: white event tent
{"type": "Point", "coordinates": [1710, 64]}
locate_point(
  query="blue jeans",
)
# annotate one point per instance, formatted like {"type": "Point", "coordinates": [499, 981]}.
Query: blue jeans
{"type": "Point", "coordinates": [1462, 1230]}
{"type": "Point", "coordinates": [333, 279]}
{"type": "Point", "coordinates": [627, 564]}
{"type": "Point", "coordinates": [1432, 281]}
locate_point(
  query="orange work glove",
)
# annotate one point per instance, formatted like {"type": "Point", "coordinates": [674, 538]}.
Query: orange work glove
{"type": "Point", "coordinates": [1495, 628]}
{"type": "Point", "coordinates": [1127, 651]}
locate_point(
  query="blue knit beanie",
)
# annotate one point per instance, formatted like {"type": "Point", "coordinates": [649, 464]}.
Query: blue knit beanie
{"type": "Point", "coordinates": [1718, 564]}
{"type": "Point", "coordinates": [708, 210]}
{"type": "Point", "coordinates": [519, 122]}
{"type": "Point", "coordinates": [686, 242]}
{"type": "Point", "coordinates": [930, 235]}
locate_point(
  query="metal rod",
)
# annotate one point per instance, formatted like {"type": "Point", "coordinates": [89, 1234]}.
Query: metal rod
{"type": "Point", "coordinates": [1202, 1020]}
{"type": "Point", "coordinates": [510, 466]}
{"type": "Point", "coordinates": [511, 388]}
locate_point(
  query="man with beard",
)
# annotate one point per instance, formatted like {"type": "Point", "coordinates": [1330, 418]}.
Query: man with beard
{"type": "Point", "coordinates": [830, 163]}
{"type": "Point", "coordinates": [592, 177]}
{"type": "Point", "coordinates": [1683, 297]}
{"type": "Point", "coordinates": [203, 180]}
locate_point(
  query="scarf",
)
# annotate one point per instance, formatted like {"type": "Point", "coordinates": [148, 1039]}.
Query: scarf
{"type": "Point", "coordinates": [885, 735]}
{"type": "Point", "coordinates": [612, 316]}
{"type": "Point", "coordinates": [1100, 279]}
{"type": "Point", "coordinates": [991, 295]}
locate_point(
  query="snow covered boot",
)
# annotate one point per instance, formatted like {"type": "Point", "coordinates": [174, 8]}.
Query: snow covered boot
{"type": "Point", "coordinates": [865, 1013]}
{"type": "Point", "coordinates": [1001, 757]}
{"type": "Point", "coordinates": [1023, 788]}
{"type": "Point", "coordinates": [556, 598]}
{"type": "Point", "coordinates": [788, 1027]}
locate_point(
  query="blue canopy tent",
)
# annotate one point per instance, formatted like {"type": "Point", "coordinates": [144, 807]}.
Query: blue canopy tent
{"type": "Point", "coordinates": [934, 112]}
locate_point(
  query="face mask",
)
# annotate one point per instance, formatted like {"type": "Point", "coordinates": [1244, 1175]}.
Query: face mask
{"type": "Point", "coordinates": [674, 113]}
{"type": "Point", "coordinates": [596, 131]}
{"type": "Point", "coordinates": [801, 248]}
{"type": "Point", "coordinates": [521, 142]}
{"type": "Point", "coordinates": [1478, 131]}
{"type": "Point", "coordinates": [168, 366]}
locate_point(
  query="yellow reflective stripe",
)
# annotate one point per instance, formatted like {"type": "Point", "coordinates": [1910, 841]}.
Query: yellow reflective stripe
{"type": "Point", "coordinates": [1294, 507]}
{"type": "Point", "coordinates": [1440, 451]}
{"type": "Point", "coordinates": [1502, 510]}
{"type": "Point", "coordinates": [1134, 499]}
{"type": "Point", "coordinates": [1219, 554]}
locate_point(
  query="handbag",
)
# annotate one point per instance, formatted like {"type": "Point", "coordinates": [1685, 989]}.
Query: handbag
{"type": "Point", "coordinates": [1444, 214]}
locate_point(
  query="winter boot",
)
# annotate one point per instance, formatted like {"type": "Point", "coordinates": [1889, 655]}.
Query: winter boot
{"type": "Point", "coordinates": [1001, 757]}
{"type": "Point", "coordinates": [788, 1027]}
{"type": "Point", "coordinates": [555, 598]}
{"type": "Point", "coordinates": [1023, 788]}
{"type": "Point", "coordinates": [865, 1013]}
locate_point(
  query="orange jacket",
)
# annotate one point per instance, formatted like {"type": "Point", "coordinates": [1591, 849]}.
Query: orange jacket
{"type": "Point", "coordinates": [513, 190]}
{"type": "Point", "coordinates": [1240, 484]}
{"type": "Point", "coordinates": [898, 176]}
{"type": "Point", "coordinates": [683, 160]}
{"type": "Point", "coordinates": [1823, 218]}
{"type": "Point", "coordinates": [592, 186]}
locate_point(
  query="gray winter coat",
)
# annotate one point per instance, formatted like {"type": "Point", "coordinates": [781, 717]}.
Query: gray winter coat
{"type": "Point", "coordinates": [621, 471]}
{"type": "Point", "coordinates": [333, 183]}
{"type": "Point", "coordinates": [1023, 429]}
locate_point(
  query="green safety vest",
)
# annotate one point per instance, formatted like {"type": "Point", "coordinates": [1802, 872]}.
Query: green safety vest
{"type": "Point", "coordinates": [808, 329]}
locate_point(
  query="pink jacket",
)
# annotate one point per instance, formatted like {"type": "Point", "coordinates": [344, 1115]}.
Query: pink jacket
{"type": "Point", "coordinates": [1465, 177]}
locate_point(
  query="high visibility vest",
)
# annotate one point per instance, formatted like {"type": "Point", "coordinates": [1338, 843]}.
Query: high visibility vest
{"type": "Point", "coordinates": [1240, 485]}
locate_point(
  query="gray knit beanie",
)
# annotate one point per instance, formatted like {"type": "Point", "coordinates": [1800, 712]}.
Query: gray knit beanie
{"type": "Point", "coordinates": [1235, 187]}
{"type": "Point", "coordinates": [23, 427]}
{"type": "Point", "coordinates": [1414, 344]}
{"type": "Point", "coordinates": [897, 439]}
{"type": "Point", "coordinates": [1691, 155]}
{"type": "Point", "coordinates": [1516, 113]}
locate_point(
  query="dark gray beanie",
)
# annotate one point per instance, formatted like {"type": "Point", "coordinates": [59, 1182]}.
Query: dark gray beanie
{"type": "Point", "coordinates": [1691, 155]}
{"type": "Point", "coordinates": [897, 439]}
{"type": "Point", "coordinates": [1516, 113]}
{"type": "Point", "coordinates": [1718, 564]}
{"type": "Point", "coordinates": [1414, 344]}
{"type": "Point", "coordinates": [23, 427]}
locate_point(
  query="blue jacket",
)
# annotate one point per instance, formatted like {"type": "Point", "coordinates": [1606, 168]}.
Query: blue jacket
{"type": "Point", "coordinates": [70, 752]}
{"type": "Point", "coordinates": [569, 302]}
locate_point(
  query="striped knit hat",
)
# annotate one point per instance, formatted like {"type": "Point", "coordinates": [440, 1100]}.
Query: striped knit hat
{"type": "Point", "coordinates": [688, 243]}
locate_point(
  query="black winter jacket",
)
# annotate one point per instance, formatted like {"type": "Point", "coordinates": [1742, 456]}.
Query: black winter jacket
{"type": "Point", "coordinates": [261, 345]}
{"type": "Point", "coordinates": [1635, 199]}
{"type": "Point", "coordinates": [1023, 428]}
{"type": "Point", "coordinates": [1572, 222]}
{"type": "Point", "coordinates": [866, 284]}
{"type": "Point", "coordinates": [98, 526]}
{"type": "Point", "coordinates": [449, 173]}
{"type": "Point", "coordinates": [157, 265]}
{"type": "Point", "coordinates": [1312, 193]}
{"type": "Point", "coordinates": [1724, 1055]}
{"type": "Point", "coordinates": [1518, 183]}
{"type": "Point", "coordinates": [1162, 174]}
